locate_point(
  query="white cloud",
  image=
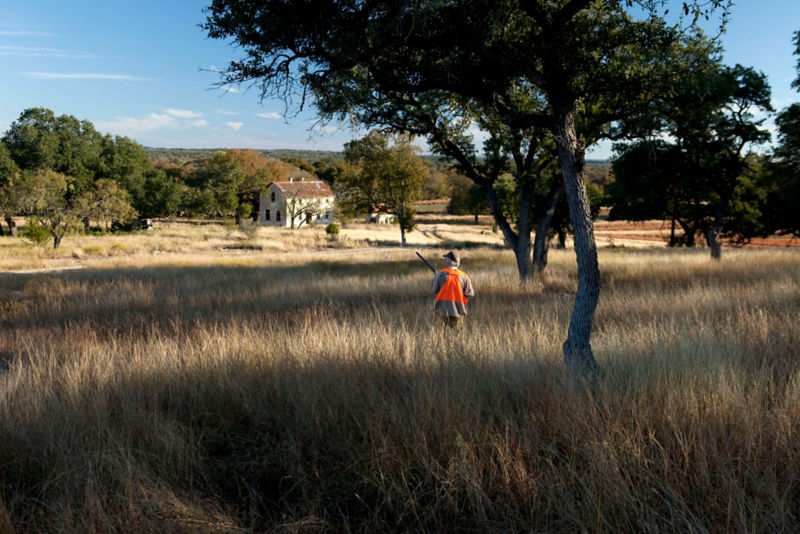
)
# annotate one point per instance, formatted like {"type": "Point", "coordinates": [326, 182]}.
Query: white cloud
{"type": "Point", "coordinates": [326, 129]}
{"type": "Point", "coordinates": [130, 126]}
{"type": "Point", "coordinates": [183, 113]}
{"type": "Point", "coordinates": [270, 115]}
{"type": "Point", "coordinates": [226, 112]}
{"type": "Point", "coordinates": [83, 76]}
{"type": "Point", "coordinates": [38, 51]}
{"type": "Point", "coordinates": [234, 125]}
{"type": "Point", "coordinates": [230, 90]}
{"type": "Point", "coordinates": [201, 123]}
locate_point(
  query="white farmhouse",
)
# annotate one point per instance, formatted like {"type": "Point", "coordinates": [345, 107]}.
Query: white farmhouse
{"type": "Point", "coordinates": [295, 203]}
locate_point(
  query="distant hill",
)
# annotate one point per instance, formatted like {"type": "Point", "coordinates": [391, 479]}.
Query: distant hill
{"type": "Point", "coordinates": [597, 170]}
{"type": "Point", "coordinates": [312, 156]}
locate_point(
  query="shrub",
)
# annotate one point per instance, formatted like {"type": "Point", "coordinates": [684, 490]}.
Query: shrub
{"type": "Point", "coordinates": [36, 232]}
{"type": "Point", "coordinates": [332, 229]}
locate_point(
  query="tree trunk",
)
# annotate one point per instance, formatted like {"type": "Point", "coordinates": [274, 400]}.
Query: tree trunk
{"type": "Point", "coordinates": [402, 220]}
{"type": "Point", "coordinates": [688, 233]}
{"type": "Point", "coordinates": [541, 242]}
{"type": "Point", "coordinates": [714, 239]}
{"type": "Point", "coordinates": [713, 232]}
{"type": "Point", "coordinates": [672, 239]}
{"type": "Point", "coordinates": [524, 227]}
{"type": "Point", "coordinates": [577, 348]}
{"type": "Point", "coordinates": [12, 226]}
{"type": "Point", "coordinates": [562, 239]}
{"type": "Point", "coordinates": [520, 241]}
{"type": "Point", "coordinates": [56, 241]}
{"type": "Point", "coordinates": [2, 232]}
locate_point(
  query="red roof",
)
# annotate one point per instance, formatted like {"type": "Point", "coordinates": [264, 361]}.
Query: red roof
{"type": "Point", "coordinates": [301, 189]}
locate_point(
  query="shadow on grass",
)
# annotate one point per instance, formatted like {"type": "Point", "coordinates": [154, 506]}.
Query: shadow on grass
{"type": "Point", "coordinates": [368, 446]}
{"type": "Point", "coordinates": [453, 444]}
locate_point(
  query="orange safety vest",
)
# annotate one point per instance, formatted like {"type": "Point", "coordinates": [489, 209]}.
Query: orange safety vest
{"type": "Point", "coordinates": [451, 290]}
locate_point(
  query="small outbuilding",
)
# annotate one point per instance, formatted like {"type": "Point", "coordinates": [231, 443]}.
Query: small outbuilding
{"type": "Point", "coordinates": [379, 215]}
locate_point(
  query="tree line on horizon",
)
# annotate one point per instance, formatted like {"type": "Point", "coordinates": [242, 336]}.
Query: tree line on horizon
{"type": "Point", "coordinates": [63, 175]}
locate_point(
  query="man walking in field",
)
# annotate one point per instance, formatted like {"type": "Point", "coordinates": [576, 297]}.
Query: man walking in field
{"type": "Point", "coordinates": [452, 288]}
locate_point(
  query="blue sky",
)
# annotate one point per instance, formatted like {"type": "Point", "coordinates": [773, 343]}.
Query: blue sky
{"type": "Point", "coordinates": [145, 70]}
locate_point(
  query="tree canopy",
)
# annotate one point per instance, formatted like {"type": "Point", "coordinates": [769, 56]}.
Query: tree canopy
{"type": "Point", "coordinates": [385, 174]}
{"type": "Point", "coordinates": [571, 67]}
{"type": "Point", "coordinates": [693, 164]}
{"type": "Point", "coordinates": [785, 170]}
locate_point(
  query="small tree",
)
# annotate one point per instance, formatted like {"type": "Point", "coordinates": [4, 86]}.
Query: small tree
{"type": "Point", "coordinates": [106, 202]}
{"type": "Point", "coordinates": [9, 202]}
{"type": "Point", "coordinates": [43, 195]}
{"type": "Point", "coordinates": [700, 177]}
{"type": "Point", "coordinates": [783, 215]}
{"type": "Point", "coordinates": [36, 232]}
{"type": "Point", "coordinates": [384, 175]}
{"type": "Point", "coordinates": [221, 176]}
{"type": "Point", "coordinates": [467, 198]}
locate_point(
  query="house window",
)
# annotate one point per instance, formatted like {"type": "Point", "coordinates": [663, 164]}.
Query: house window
{"type": "Point", "coordinates": [272, 198]}
{"type": "Point", "coordinates": [266, 215]}
{"type": "Point", "coordinates": [308, 218]}
{"type": "Point", "coordinates": [278, 215]}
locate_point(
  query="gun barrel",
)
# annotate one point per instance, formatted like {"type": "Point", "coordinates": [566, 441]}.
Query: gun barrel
{"type": "Point", "coordinates": [426, 262]}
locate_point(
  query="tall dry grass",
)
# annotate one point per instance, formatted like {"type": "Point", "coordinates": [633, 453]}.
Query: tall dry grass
{"type": "Point", "coordinates": [318, 396]}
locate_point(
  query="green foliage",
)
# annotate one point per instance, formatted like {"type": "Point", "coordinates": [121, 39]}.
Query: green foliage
{"type": "Point", "coordinates": [106, 202]}
{"type": "Point", "coordinates": [9, 174]}
{"type": "Point", "coordinates": [407, 221]}
{"type": "Point", "coordinates": [467, 198]}
{"type": "Point", "coordinates": [42, 194]}
{"type": "Point", "coordinates": [788, 150]}
{"type": "Point", "coordinates": [783, 199]}
{"type": "Point", "coordinates": [385, 173]}
{"type": "Point", "coordinates": [332, 229]}
{"type": "Point", "coordinates": [35, 231]}
{"type": "Point", "coordinates": [701, 176]}
{"type": "Point", "coordinates": [162, 195]}
{"type": "Point", "coordinates": [438, 183]}
{"type": "Point", "coordinates": [197, 203]}
{"type": "Point", "coordinates": [221, 176]}
{"type": "Point", "coordinates": [329, 170]}
{"type": "Point", "coordinates": [39, 140]}
{"type": "Point", "coordinates": [300, 163]}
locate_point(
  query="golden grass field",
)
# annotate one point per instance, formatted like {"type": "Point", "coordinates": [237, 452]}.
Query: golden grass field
{"type": "Point", "coordinates": [201, 379]}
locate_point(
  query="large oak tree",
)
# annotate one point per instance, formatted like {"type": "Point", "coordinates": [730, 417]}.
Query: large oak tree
{"type": "Point", "coordinates": [588, 61]}
{"type": "Point", "coordinates": [694, 164]}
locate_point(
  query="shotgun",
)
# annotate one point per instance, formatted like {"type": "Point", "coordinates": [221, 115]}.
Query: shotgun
{"type": "Point", "coordinates": [426, 262]}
